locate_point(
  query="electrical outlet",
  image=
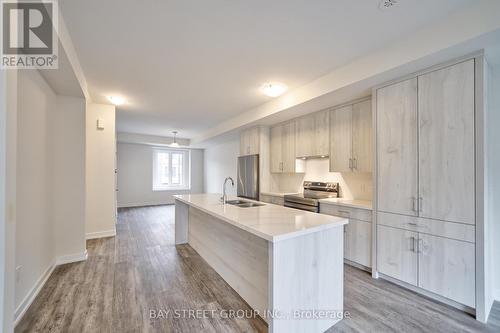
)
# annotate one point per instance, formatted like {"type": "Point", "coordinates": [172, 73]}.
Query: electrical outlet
{"type": "Point", "coordinates": [18, 273]}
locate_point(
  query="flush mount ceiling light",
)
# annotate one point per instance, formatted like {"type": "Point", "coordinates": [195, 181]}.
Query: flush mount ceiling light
{"type": "Point", "coordinates": [174, 144]}
{"type": "Point", "coordinates": [386, 4]}
{"type": "Point", "coordinates": [116, 100]}
{"type": "Point", "coordinates": [274, 89]}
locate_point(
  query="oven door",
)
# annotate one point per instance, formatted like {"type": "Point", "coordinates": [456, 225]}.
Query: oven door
{"type": "Point", "coordinates": [296, 205]}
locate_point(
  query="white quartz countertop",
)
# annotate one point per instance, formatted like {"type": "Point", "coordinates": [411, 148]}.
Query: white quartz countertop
{"type": "Point", "coordinates": [270, 222]}
{"type": "Point", "coordinates": [278, 194]}
{"type": "Point", "coordinates": [362, 204]}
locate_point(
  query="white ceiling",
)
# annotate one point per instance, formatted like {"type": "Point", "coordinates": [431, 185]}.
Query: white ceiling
{"type": "Point", "coordinates": [189, 65]}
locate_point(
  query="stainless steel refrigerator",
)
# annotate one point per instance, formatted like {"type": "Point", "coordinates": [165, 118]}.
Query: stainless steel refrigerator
{"type": "Point", "coordinates": [248, 177]}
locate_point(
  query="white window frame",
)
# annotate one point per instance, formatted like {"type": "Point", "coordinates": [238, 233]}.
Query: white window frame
{"type": "Point", "coordinates": [186, 181]}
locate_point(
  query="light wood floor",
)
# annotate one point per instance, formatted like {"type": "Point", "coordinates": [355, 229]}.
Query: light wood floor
{"type": "Point", "coordinates": [141, 270]}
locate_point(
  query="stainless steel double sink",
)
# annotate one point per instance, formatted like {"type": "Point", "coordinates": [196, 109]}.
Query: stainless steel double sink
{"type": "Point", "coordinates": [244, 203]}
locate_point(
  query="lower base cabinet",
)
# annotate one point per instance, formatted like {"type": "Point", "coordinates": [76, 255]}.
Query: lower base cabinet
{"type": "Point", "coordinates": [437, 264]}
{"type": "Point", "coordinates": [446, 267]}
{"type": "Point", "coordinates": [277, 200]}
{"type": "Point", "coordinates": [396, 254]}
{"type": "Point", "coordinates": [358, 242]}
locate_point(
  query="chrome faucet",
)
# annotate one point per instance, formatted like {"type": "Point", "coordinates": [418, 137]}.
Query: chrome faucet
{"type": "Point", "coordinates": [224, 195]}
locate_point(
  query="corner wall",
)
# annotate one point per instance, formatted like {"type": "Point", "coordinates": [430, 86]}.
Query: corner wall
{"type": "Point", "coordinates": [68, 178]}
{"type": "Point", "coordinates": [221, 161]}
{"type": "Point", "coordinates": [135, 176]}
{"type": "Point", "coordinates": [494, 175]}
{"type": "Point", "coordinates": [100, 164]}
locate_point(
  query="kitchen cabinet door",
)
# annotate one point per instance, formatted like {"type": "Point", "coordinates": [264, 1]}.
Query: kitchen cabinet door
{"type": "Point", "coordinates": [276, 149]}
{"type": "Point", "coordinates": [396, 253]}
{"type": "Point", "coordinates": [447, 268]}
{"type": "Point", "coordinates": [304, 136]}
{"type": "Point", "coordinates": [341, 139]}
{"type": "Point", "coordinates": [288, 147]}
{"type": "Point", "coordinates": [362, 136]}
{"type": "Point", "coordinates": [249, 141]}
{"type": "Point", "coordinates": [446, 143]}
{"type": "Point", "coordinates": [321, 143]}
{"type": "Point", "coordinates": [358, 242]}
{"type": "Point", "coordinates": [397, 188]}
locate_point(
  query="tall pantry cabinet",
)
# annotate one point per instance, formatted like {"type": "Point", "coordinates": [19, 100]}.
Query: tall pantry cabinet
{"type": "Point", "coordinates": [425, 132]}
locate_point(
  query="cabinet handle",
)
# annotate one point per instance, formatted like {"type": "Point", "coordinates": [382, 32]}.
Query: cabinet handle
{"type": "Point", "coordinates": [412, 244]}
{"type": "Point", "coordinates": [355, 163]}
{"type": "Point", "coordinates": [414, 204]}
{"type": "Point", "coordinates": [420, 247]}
{"type": "Point", "coordinates": [420, 203]}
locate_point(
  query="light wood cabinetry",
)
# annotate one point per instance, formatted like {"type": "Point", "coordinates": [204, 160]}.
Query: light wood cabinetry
{"type": "Point", "coordinates": [283, 149]}
{"type": "Point", "coordinates": [351, 138]}
{"type": "Point", "coordinates": [446, 143]}
{"type": "Point", "coordinates": [426, 182]}
{"type": "Point", "coordinates": [358, 242]}
{"type": "Point", "coordinates": [250, 141]}
{"type": "Point", "coordinates": [312, 135]}
{"type": "Point", "coordinates": [446, 267]}
{"type": "Point", "coordinates": [357, 233]}
{"type": "Point", "coordinates": [272, 199]}
{"type": "Point", "coordinates": [341, 139]}
{"type": "Point", "coordinates": [397, 148]}
{"type": "Point", "coordinates": [396, 255]}
{"type": "Point", "coordinates": [362, 136]}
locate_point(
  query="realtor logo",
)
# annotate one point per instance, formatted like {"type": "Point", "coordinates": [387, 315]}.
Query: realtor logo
{"type": "Point", "coordinates": [29, 34]}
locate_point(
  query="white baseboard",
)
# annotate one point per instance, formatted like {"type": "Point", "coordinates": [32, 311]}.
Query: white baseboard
{"type": "Point", "coordinates": [101, 234]}
{"type": "Point", "coordinates": [71, 258]}
{"type": "Point", "coordinates": [30, 297]}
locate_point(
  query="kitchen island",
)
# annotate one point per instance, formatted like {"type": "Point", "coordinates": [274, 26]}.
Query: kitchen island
{"type": "Point", "coordinates": [287, 264]}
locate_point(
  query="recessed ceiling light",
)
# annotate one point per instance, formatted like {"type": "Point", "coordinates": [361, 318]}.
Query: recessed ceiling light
{"type": "Point", "coordinates": [274, 89]}
{"type": "Point", "coordinates": [116, 100]}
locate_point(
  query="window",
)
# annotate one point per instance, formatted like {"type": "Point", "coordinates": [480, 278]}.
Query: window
{"type": "Point", "coordinates": [170, 169]}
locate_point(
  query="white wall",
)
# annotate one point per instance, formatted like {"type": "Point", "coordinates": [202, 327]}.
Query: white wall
{"type": "Point", "coordinates": [68, 176]}
{"type": "Point", "coordinates": [135, 176]}
{"type": "Point", "coordinates": [494, 173]}
{"type": "Point", "coordinates": [8, 150]}
{"type": "Point", "coordinates": [100, 196]}
{"type": "Point", "coordinates": [221, 161]}
{"type": "Point", "coordinates": [34, 240]}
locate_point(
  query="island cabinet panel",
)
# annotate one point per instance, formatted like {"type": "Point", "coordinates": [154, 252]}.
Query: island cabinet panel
{"type": "Point", "coordinates": [397, 188]}
{"type": "Point", "coordinates": [239, 257]}
{"type": "Point", "coordinates": [312, 135]}
{"type": "Point", "coordinates": [305, 276]}
{"type": "Point", "coordinates": [446, 143]}
{"type": "Point", "coordinates": [446, 267]}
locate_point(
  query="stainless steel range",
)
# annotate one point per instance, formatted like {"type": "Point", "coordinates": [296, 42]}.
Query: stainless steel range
{"type": "Point", "coordinates": [313, 191]}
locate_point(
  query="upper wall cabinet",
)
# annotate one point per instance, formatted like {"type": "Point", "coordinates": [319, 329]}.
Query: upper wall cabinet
{"type": "Point", "coordinates": [249, 141]}
{"type": "Point", "coordinates": [397, 148]}
{"type": "Point", "coordinates": [351, 138]}
{"type": "Point", "coordinates": [425, 145]}
{"type": "Point", "coordinates": [312, 135]}
{"type": "Point", "coordinates": [283, 149]}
